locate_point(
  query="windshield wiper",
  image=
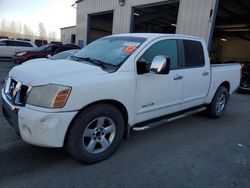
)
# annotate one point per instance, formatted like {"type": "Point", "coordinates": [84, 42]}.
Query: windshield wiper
{"type": "Point", "coordinates": [94, 61]}
{"type": "Point", "coordinates": [75, 58]}
{"type": "Point", "coordinates": [91, 60]}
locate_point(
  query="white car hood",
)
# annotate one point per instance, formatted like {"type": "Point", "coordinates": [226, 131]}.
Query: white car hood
{"type": "Point", "coordinates": [54, 71]}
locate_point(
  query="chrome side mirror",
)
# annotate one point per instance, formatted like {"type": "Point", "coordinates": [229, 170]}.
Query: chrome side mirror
{"type": "Point", "coordinates": [160, 65]}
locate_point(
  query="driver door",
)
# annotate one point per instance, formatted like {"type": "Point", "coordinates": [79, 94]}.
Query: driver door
{"type": "Point", "coordinates": [159, 94]}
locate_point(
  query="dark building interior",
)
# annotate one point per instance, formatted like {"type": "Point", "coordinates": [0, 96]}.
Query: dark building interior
{"type": "Point", "coordinates": [100, 25]}
{"type": "Point", "coordinates": [156, 18]}
{"type": "Point", "coordinates": [231, 38]}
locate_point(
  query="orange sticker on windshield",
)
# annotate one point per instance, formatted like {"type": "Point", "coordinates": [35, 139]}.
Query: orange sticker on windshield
{"type": "Point", "coordinates": [130, 49]}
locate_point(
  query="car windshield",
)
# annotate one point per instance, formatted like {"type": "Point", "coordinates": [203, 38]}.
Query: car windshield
{"type": "Point", "coordinates": [64, 54]}
{"type": "Point", "coordinates": [110, 50]}
{"type": "Point", "coordinates": [42, 47]}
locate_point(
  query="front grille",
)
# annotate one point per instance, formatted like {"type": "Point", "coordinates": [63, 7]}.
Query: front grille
{"type": "Point", "coordinates": [16, 92]}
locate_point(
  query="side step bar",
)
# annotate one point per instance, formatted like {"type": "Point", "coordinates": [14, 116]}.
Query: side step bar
{"type": "Point", "coordinates": [167, 120]}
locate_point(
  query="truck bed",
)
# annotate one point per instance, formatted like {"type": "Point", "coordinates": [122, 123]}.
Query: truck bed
{"type": "Point", "coordinates": [224, 73]}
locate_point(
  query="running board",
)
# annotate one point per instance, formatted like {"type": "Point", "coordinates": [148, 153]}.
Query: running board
{"type": "Point", "coordinates": [167, 120]}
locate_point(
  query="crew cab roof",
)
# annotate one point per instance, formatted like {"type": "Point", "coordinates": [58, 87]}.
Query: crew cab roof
{"type": "Point", "coordinates": [156, 35]}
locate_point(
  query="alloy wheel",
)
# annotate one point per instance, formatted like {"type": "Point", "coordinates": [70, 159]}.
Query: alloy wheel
{"type": "Point", "coordinates": [221, 103]}
{"type": "Point", "coordinates": [99, 135]}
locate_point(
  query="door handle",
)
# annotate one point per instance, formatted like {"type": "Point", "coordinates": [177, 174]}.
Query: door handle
{"type": "Point", "coordinates": [178, 77]}
{"type": "Point", "coordinates": [205, 73]}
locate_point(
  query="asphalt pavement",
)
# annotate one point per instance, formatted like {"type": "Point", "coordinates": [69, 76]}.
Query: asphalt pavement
{"type": "Point", "coordinates": [191, 152]}
{"type": "Point", "coordinates": [5, 66]}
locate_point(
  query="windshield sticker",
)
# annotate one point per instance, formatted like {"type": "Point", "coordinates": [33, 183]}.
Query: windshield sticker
{"type": "Point", "coordinates": [131, 44]}
{"type": "Point", "coordinates": [130, 49]}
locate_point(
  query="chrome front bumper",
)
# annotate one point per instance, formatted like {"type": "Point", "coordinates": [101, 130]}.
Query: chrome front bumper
{"type": "Point", "coordinates": [10, 112]}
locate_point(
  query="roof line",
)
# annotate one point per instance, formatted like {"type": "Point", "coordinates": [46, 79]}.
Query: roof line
{"type": "Point", "coordinates": [78, 1]}
{"type": "Point", "coordinates": [68, 27]}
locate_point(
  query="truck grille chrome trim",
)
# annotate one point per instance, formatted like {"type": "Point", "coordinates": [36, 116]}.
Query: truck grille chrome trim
{"type": "Point", "coordinates": [16, 92]}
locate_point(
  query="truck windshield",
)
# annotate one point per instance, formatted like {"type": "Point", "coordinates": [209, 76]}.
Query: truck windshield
{"type": "Point", "coordinates": [110, 50]}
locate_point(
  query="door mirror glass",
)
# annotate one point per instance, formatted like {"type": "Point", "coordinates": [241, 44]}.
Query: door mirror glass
{"type": "Point", "coordinates": [160, 65]}
{"type": "Point", "coordinates": [142, 66]}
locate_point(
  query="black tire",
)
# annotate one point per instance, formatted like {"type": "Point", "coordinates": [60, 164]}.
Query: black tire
{"type": "Point", "coordinates": [213, 110]}
{"type": "Point", "coordinates": [75, 144]}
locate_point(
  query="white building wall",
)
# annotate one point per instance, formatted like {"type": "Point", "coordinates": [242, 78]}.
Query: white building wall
{"type": "Point", "coordinates": [66, 34]}
{"type": "Point", "coordinates": [194, 16]}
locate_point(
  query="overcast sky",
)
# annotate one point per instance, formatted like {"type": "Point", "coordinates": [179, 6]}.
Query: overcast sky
{"type": "Point", "coordinates": [53, 13]}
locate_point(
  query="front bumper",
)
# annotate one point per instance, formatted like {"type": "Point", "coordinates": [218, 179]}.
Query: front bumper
{"type": "Point", "coordinates": [10, 112]}
{"type": "Point", "coordinates": [36, 127]}
{"type": "Point", "coordinates": [19, 59]}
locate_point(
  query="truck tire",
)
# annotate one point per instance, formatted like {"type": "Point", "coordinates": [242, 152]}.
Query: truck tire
{"type": "Point", "coordinates": [95, 134]}
{"type": "Point", "coordinates": [218, 105]}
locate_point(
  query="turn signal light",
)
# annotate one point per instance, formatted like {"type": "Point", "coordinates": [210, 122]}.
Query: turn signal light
{"type": "Point", "coordinates": [61, 98]}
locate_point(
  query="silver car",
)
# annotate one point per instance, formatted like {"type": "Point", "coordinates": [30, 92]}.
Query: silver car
{"type": "Point", "coordinates": [9, 47]}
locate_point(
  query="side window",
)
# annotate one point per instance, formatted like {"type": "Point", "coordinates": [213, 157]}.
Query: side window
{"type": "Point", "coordinates": [49, 48]}
{"type": "Point", "coordinates": [61, 49]}
{"type": "Point", "coordinates": [194, 54]}
{"type": "Point", "coordinates": [11, 43]}
{"type": "Point", "coordinates": [164, 47]}
{"type": "Point", "coordinates": [54, 49]}
{"type": "Point", "coordinates": [25, 44]}
{"type": "Point", "coordinates": [3, 43]}
{"type": "Point", "coordinates": [19, 44]}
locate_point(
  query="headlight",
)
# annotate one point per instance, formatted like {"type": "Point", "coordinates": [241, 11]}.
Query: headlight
{"type": "Point", "coordinates": [6, 83]}
{"type": "Point", "coordinates": [49, 96]}
{"type": "Point", "coordinates": [21, 53]}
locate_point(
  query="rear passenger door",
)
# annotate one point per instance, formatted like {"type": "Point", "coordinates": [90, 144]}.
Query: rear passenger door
{"type": "Point", "coordinates": [196, 74]}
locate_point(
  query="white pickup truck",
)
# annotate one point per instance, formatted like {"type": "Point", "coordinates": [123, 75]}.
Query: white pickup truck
{"type": "Point", "coordinates": [89, 102]}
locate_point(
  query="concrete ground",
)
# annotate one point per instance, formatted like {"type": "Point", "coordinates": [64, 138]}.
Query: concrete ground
{"type": "Point", "coordinates": [5, 66]}
{"type": "Point", "coordinates": [191, 152]}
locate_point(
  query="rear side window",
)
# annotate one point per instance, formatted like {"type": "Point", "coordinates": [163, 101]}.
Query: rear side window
{"type": "Point", "coordinates": [165, 47]}
{"type": "Point", "coordinates": [194, 54]}
{"type": "Point", "coordinates": [60, 49]}
{"type": "Point", "coordinates": [23, 44]}
{"type": "Point", "coordinates": [3, 43]}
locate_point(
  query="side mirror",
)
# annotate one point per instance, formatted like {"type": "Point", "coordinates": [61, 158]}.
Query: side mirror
{"type": "Point", "coordinates": [160, 65]}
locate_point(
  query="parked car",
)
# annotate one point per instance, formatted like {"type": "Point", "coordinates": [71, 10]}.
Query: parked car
{"type": "Point", "coordinates": [61, 55]}
{"type": "Point", "coordinates": [64, 54]}
{"type": "Point", "coordinates": [40, 42]}
{"type": "Point", "coordinates": [9, 47]}
{"type": "Point", "coordinates": [89, 102]}
{"type": "Point", "coordinates": [42, 52]}
{"type": "Point", "coordinates": [245, 77]}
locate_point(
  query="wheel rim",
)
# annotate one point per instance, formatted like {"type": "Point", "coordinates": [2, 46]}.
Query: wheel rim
{"type": "Point", "coordinates": [221, 102]}
{"type": "Point", "coordinates": [99, 135]}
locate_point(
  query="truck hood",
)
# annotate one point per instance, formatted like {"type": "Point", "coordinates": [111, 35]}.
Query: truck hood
{"type": "Point", "coordinates": [54, 71]}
